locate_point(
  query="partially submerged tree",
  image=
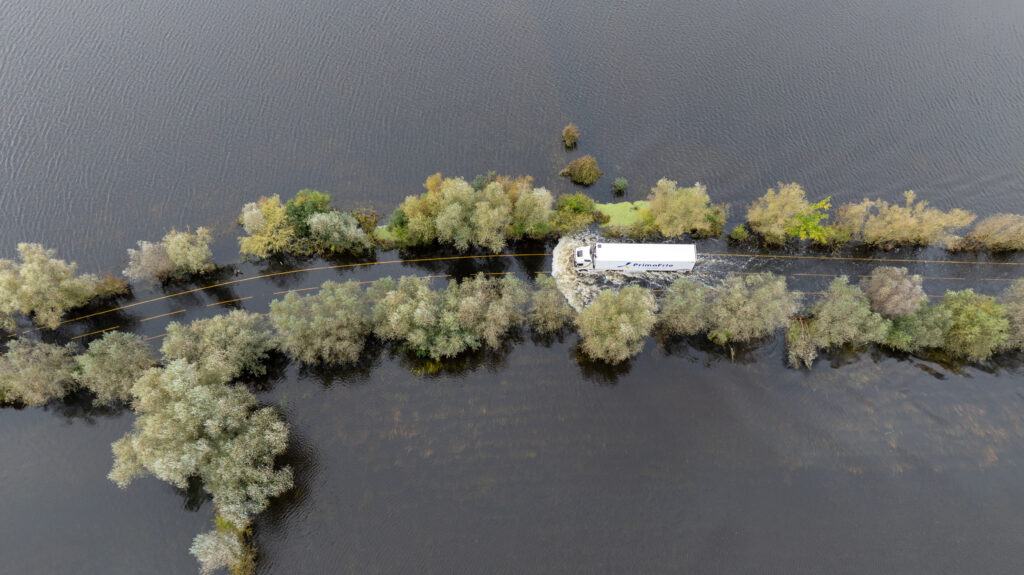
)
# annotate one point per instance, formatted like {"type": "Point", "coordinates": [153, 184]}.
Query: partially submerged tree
{"type": "Point", "coordinates": [979, 325]}
{"type": "Point", "coordinates": [613, 327]}
{"type": "Point", "coordinates": [1013, 302]}
{"type": "Point", "coordinates": [998, 233]}
{"type": "Point", "coordinates": [531, 213]}
{"type": "Point", "coordinates": [149, 263]}
{"type": "Point", "coordinates": [191, 424]}
{"type": "Point", "coordinates": [879, 223]}
{"type": "Point", "coordinates": [111, 364]}
{"type": "Point", "coordinates": [329, 326]}
{"type": "Point", "coordinates": [549, 311]}
{"type": "Point", "coordinates": [573, 212]}
{"type": "Point", "coordinates": [269, 228]}
{"type": "Point", "coordinates": [302, 206]}
{"type": "Point", "coordinates": [749, 307]}
{"type": "Point", "coordinates": [337, 232]}
{"type": "Point", "coordinates": [35, 373]}
{"type": "Point", "coordinates": [227, 344]}
{"type": "Point", "coordinates": [842, 316]}
{"type": "Point", "coordinates": [45, 287]}
{"type": "Point", "coordinates": [893, 291]}
{"type": "Point", "coordinates": [923, 329]}
{"type": "Point", "coordinates": [582, 171]}
{"type": "Point", "coordinates": [782, 214]}
{"type": "Point", "coordinates": [570, 135]}
{"type": "Point", "coordinates": [676, 211]}
{"type": "Point", "coordinates": [684, 308]}
{"type": "Point", "coordinates": [190, 252]}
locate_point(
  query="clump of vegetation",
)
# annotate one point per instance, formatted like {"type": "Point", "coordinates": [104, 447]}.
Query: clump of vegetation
{"type": "Point", "coordinates": [925, 328]}
{"type": "Point", "coordinates": [739, 234]}
{"type": "Point", "coordinates": [570, 135]}
{"type": "Point", "coordinates": [224, 547]}
{"type": "Point", "coordinates": [582, 171]}
{"type": "Point", "coordinates": [452, 212]}
{"type": "Point", "coordinates": [190, 423]}
{"type": "Point", "coordinates": [842, 316]}
{"type": "Point", "coordinates": [749, 307]}
{"type": "Point", "coordinates": [573, 212]}
{"type": "Point", "coordinates": [1013, 302]}
{"type": "Point", "coordinates": [614, 325]}
{"type": "Point", "coordinates": [998, 233]}
{"type": "Point", "coordinates": [684, 308]}
{"type": "Point", "coordinates": [337, 232]}
{"type": "Point", "coordinates": [269, 228]}
{"type": "Point", "coordinates": [549, 311]}
{"type": "Point", "coordinates": [329, 326]}
{"type": "Point", "coordinates": [878, 223]}
{"type": "Point", "coordinates": [979, 325]}
{"type": "Point", "coordinates": [46, 287]}
{"type": "Point", "coordinates": [465, 316]}
{"type": "Point", "coordinates": [894, 292]}
{"type": "Point", "coordinates": [227, 344]}
{"type": "Point", "coordinates": [781, 215]}
{"type": "Point", "coordinates": [111, 364]}
{"type": "Point", "coordinates": [675, 211]}
{"type": "Point", "coordinates": [179, 253]}
{"type": "Point", "coordinates": [35, 372]}
{"type": "Point", "coordinates": [302, 206]}
{"type": "Point", "coordinates": [619, 185]}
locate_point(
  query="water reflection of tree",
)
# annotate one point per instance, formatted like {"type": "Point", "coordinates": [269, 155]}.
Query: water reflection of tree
{"type": "Point", "coordinates": [78, 406]}
{"type": "Point", "coordinates": [709, 352]}
{"type": "Point", "coordinates": [598, 371]}
{"type": "Point", "coordinates": [492, 359]}
{"type": "Point", "coordinates": [349, 374]}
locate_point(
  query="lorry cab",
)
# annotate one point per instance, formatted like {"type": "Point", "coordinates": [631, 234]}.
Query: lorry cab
{"type": "Point", "coordinates": [583, 258]}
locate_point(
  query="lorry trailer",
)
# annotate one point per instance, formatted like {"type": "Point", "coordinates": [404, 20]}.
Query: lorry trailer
{"type": "Point", "coordinates": [635, 257]}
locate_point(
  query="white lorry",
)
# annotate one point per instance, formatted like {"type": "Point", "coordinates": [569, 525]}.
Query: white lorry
{"type": "Point", "coordinates": [635, 257]}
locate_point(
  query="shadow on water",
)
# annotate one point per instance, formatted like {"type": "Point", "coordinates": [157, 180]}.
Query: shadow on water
{"type": "Point", "coordinates": [600, 372]}
{"type": "Point", "coordinates": [700, 348]}
{"type": "Point", "coordinates": [303, 459]}
{"type": "Point", "coordinates": [79, 406]}
{"type": "Point", "coordinates": [349, 374]}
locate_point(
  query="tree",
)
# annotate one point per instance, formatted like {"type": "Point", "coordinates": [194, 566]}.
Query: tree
{"type": "Point", "coordinates": [583, 171]}
{"type": "Point", "coordinates": [218, 549]}
{"type": "Point", "coordinates": [549, 311]}
{"type": "Point", "coordinates": [304, 204]}
{"type": "Point", "coordinates": [893, 292]}
{"type": "Point", "coordinates": [270, 231]}
{"type": "Point", "coordinates": [337, 232]}
{"type": "Point", "coordinates": [330, 326]}
{"type": "Point", "coordinates": [42, 285]}
{"type": "Point", "coordinates": [191, 424]}
{"type": "Point", "coordinates": [531, 213]}
{"type": "Point", "coordinates": [614, 325]}
{"type": "Point", "coordinates": [35, 373]}
{"type": "Point", "coordinates": [570, 135]}
{"type": "Point", "coordinates": [784, 214]}
{"type": "Point", "coordinates": [998, 233]}
{"type": "Point", "coordinates": [619, 185]}
{"type": "Point", "coordinates": [842, 316]}
{"type": "Point", "coordinates": [925, 328]}
{"type": "Point", "coordinates": [684, 308]}
{"type": "Point", "coordinates": [749, 307]}
{"type": "Point", "coordinates": [492, 217]}
{"type": "Point", "coordinates": [877, 223]}
{"type": "Point", "coordinates": [676, 211]}
{"type": "Point", "coordinates": [227, 344]}
{"type": "Point", "coordinates": [111, 364]}
{"type": "Point", "coordinates": [1013, 302]}
{"type": "Point", "coordinates": [573, 212]}
{"type": "Point", "coordinates": [148, 263]}
{"type": "Point", "coordinates": [979, 325]}
{"type": "Point", "coordinates": [190, 253]}
{"type": "Point", "coordinates": [454, 221]}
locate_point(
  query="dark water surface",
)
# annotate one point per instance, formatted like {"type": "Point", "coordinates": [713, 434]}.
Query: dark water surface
{"type": "Point", "coordinates": [121, 120]}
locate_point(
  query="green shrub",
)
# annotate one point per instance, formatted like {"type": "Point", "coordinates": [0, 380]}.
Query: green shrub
{"type": "Point", "coordinates": [998, 233]}
{"type": "Point", "coordinates": [684, 308]}
{"type": "Point", "coordinates": [191, 424]}
{"type": "Point", "coordinates": [570, 135]}
{"type": "Point", "coordinates": [227, 344]}
{"type": "Point", "coordinates": [269, 228]}
{"type": "Point", "coordinates": [749, 307]}
{"type": "Point", "coordinates": [304, 204]}
{"type": "Point", "coordinates": [877, 223]}
{"type": "Point", "coordinates": [337, 232]}
{"type": "Point", "coordinates": [842, 316]}
{"type": "Point", "coordinates": [111, 364]}
{"type": "Point", "coordinates": [220, 549]}
{"type": "Point", "coordinates": [492, 217]}
{"type": "Point", "coordinates": [739, 234]}
{"type": "Point", "coordinates": [979, 325]}
{"type": "Point", "coordinates": [781, 215]}
{"type": "Point", "coordinates": [1013, 302]}
{"type": "Point", "coordinates": [573, 212]}
{"type": "Point", "coordinates": [613, 327]}
{"type": "Point", "coordinates": [35, 373]}
{"type": "Point", "coordinates": [893, 292]}
{"type": "Point", "coordinates": [925, 328]}
{"type": "Point", "coordinates": [676, 211]}
{"type": "Point", "coordinates": [549, 311]}
{"type": "Point", "coordinates": [583, 171]}
{"type": "Point", "coordinates": [42, 285]}
{"type": "Point", "coordinates": [329, 327]}
{"type": "Point", "coordinates": [190, 252]}
{"type": "Point", "coordinates": [531, 213]}
{"type": "Point", "coordinates": [619, 185]}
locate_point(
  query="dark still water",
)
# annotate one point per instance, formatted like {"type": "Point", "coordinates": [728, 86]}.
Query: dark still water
{"type": "Point", "coordinates": [121, 120]}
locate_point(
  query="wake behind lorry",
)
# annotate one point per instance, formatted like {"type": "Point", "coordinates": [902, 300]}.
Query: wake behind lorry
{"type": "Point", "coordinates": [635, 257]}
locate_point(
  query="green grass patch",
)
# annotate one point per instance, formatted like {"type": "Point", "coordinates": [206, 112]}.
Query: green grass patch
{"type": "Point", "coordinates": [383, 233]}
{"type": "Point", "coordinates": [622, 214]}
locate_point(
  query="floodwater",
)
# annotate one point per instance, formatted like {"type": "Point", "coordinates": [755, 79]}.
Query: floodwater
{"type": "Point", "coordinates": [119, 121]}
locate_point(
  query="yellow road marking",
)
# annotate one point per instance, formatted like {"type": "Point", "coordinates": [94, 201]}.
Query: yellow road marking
{"type": "Point", "coordinates": [853, 259]}
{"type": "Point", "coordinates": [162, 315]}
{"type": "Point", "coordinates": [229, 301]}
{"type": "Point", "coordinates": [360, 283]}
{"type": "Point", "coordinates": [154, 337]}
{"type": "Point", "coordinates": [96, 332]}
